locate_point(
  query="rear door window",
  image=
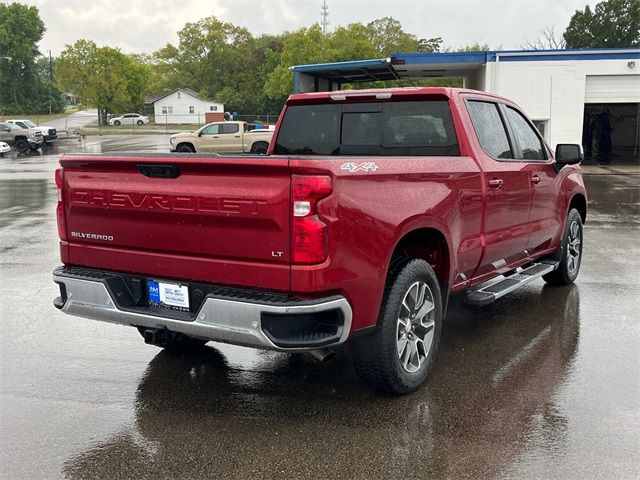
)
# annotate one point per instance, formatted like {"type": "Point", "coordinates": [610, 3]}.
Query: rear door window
{"type": "Point", "coordinates": [391, 128]}
{"type": "Point", "coordinates": [490, 129]}
{"type": "Point", "coordinates": [229, 128]}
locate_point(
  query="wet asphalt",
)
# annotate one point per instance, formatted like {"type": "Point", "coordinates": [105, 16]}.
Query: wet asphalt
{"type": "Point", "coordinates": [543, 384]}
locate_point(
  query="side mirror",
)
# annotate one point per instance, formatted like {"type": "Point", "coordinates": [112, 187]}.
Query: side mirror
{"type": "Point", "coordinates": [568, 154]}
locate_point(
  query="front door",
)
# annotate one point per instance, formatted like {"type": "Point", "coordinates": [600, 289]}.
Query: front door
{"type": "Point", "coordinates": [210, 140]}
{"type": "Point", "coordinates": [508, 194]}
{"type": "Point", "coordinates": [545, 215]}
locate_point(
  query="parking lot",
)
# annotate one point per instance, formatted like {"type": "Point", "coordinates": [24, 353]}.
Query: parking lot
{"type": "Point", "coordinates": [543, 384]}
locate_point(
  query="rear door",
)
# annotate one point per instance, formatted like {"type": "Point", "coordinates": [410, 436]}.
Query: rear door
{"type": "Point", "coordinates": [230, 138]}
{"type": "Point", "coordinates": [216, 220]}
{"type": "Point", "coordinates": [508, 184]}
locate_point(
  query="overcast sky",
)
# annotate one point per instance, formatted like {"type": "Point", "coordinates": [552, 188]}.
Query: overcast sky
{"type": "Point", "coordinates": [147, 25]}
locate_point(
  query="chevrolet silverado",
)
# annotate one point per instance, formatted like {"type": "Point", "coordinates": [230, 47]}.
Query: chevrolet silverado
{"type": "Point", "coordinates": [370, 210]}
{"type": "Point", "coordinates": [222, 137]}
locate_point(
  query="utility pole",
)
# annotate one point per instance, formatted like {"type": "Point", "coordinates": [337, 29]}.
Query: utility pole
{"type": "Point", "coordinates": [50, 79]}
{"type": "Point", "coordinates": [324, 14]}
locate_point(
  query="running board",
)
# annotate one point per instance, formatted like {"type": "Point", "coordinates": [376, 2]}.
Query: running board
{"type": "Point", "coordinates": [487, 294]}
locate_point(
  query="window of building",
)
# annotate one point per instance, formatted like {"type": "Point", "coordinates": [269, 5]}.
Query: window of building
{"type": "Point", "coordinates": [541, 125]}
{"type": "Point", "coordinates": [490, 129]}
{"type": "Point", "coordinates": [192, 109]}
{"type": "Point", "coordinates": [213, 108]}
{"type": "Point", "coordinates": [167, 110]}
{"type": "Point", "coordinates": [530, 144]}
{"type": "Point", "coordinates": [178, 95]}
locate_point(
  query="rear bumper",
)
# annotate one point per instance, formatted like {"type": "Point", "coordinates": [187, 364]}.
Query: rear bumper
{"type": "Point", "coordinates": [224, 318]}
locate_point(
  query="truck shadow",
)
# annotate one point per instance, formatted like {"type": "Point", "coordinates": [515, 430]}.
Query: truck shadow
{"type": "Point", "coordinates": [493, 389]}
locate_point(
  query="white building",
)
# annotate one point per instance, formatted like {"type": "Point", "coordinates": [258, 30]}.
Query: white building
{"type": "Point", "coordinates": [185, 106]}
{"type": "Point", "coordinates": [586, 96]}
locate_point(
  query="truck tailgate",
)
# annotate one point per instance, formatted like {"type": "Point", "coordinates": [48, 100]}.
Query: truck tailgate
{"type": "Point", "coordinates": [202, 218]}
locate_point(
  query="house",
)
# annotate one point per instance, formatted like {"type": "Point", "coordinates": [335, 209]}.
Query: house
{"type": "Point", "coordinates": [185, 106]}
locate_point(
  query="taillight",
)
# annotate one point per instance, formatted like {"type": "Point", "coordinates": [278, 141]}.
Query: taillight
{"type": "Point", "coordinates": [62, 223]}
{"type": "Point", "coordinates": [310, 237]}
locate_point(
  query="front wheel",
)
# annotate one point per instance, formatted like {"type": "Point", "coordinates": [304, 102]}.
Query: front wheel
{"type": "Point", "coordinates": [399, 355]}
{"type": "Point", "coordinates": [22, 145]}
{"type": "Point", "coordinates": [140, 123]}
{"type": "Point", "coordinates": [185, 148]}
{"type": "Point", "coordinates": [117, 123]}
{"type": "Point", "coordinates": [571, 253]}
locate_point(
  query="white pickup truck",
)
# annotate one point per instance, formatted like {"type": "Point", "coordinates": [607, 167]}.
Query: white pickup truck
{"type": "Point", "coordinates": [49, 134]}
{"type": "Point", "coordinates": [222, 137]}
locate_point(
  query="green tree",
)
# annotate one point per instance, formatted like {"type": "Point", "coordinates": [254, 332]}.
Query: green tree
{"type": "Point", "coordinates": [104, 77]}
{"type": "Point", "coordinates": [612, 23]}
{"type": "Point", "coordinates": [387, 37]}
{"type": "Point", "coordinates": [303, 46]}
{"type": "Point", "coordinates": [22, 88]}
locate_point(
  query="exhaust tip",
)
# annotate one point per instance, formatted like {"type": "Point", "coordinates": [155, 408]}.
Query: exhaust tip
{"type": "Point", "coordinates": [323, 354]}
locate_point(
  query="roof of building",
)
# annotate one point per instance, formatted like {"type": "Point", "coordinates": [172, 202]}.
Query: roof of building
{"type": "Point", "coordinates": [442, 64]}
{"type": "Point", "coordinates": [188, 91]}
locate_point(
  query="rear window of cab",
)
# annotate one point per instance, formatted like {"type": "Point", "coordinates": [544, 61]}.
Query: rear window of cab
{"type": "Point", "coordinates": [377, 128]}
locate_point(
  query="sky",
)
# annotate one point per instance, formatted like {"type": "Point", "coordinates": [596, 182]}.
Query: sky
{"type": "Point", "coordinates": [143, 26]}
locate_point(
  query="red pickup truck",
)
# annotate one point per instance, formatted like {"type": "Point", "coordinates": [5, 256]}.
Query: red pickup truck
{"type": "Point", "coordinates": [371, 208]}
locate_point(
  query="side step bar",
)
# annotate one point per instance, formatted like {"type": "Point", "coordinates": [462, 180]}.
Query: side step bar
{"type": "Point", "coordinates": [486, 294]}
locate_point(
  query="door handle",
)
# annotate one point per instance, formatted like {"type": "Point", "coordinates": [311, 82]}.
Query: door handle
{"type": "Point", "coordinates": [496, 182]}
{"type": "Point", "coordinates": [535, 179]}
{"type": "Point", "coordinates": [237, 136]}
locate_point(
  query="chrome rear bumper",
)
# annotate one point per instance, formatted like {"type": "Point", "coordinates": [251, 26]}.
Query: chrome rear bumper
{"type": "Point", "coordinates": [236, 321]}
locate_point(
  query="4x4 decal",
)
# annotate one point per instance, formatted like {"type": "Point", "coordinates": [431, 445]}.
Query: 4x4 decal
{"type": "Point", "coordinates": [359, 167]}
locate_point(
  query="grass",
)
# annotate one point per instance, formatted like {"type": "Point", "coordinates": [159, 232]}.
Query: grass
{"type": "Point", "coordinates": [150, 128]}
{"type": "Point", "coordinates": [41, 119]}
{"type": "Point", "coordinates": [38, 119]}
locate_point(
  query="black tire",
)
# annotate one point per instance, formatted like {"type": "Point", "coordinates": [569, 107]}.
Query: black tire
{"type": "Point", "coordinates": [377, 357]}
{"type": "Point", "coordinates": [177, 341]}
{"type": "Point", "coordinates": [34, 148]}
{"type": "Point", "coordinates": [117, 123]}
{"type": "Point", "coordinates": [570, 255]}
{"type": "Point", "coordinates": [259, 148]}
{"type": "Point", "coordinates": [22, 145]}
{"type": "Point", "coordinates": [185, 148]}
{"type": "Point", "coordinates": [140, 123]}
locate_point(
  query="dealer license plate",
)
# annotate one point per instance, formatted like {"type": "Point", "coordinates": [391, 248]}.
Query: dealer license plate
{"type": "Point", "coordinates": [170, 295]}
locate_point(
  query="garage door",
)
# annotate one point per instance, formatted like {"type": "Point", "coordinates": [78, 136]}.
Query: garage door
{"type": "Point", "coordinates": [612, 89]}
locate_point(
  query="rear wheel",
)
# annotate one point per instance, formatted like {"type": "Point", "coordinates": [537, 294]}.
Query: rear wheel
{"type": "Point", "coordinates": [22, 145]}
{"type": "Point", "coordinates": [170, 340]}
{"type": "Point", "coordinates": [259, 148]}
{"type": "Point", "coordinates": [571, 253]}
{"type": "Point", "coordinates": [399, 355]}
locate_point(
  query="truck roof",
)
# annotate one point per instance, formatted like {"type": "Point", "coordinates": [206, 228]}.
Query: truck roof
{"type": "Point", "coordinates": [383, 93]}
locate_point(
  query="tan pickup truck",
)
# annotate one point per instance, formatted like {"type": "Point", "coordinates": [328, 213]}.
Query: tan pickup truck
{"type": "Point", "coordinates": [222, 137]}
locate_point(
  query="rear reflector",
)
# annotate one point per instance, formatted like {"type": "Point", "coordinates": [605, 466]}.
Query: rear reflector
{"type": "Point", "coordinates": [60, 217]}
